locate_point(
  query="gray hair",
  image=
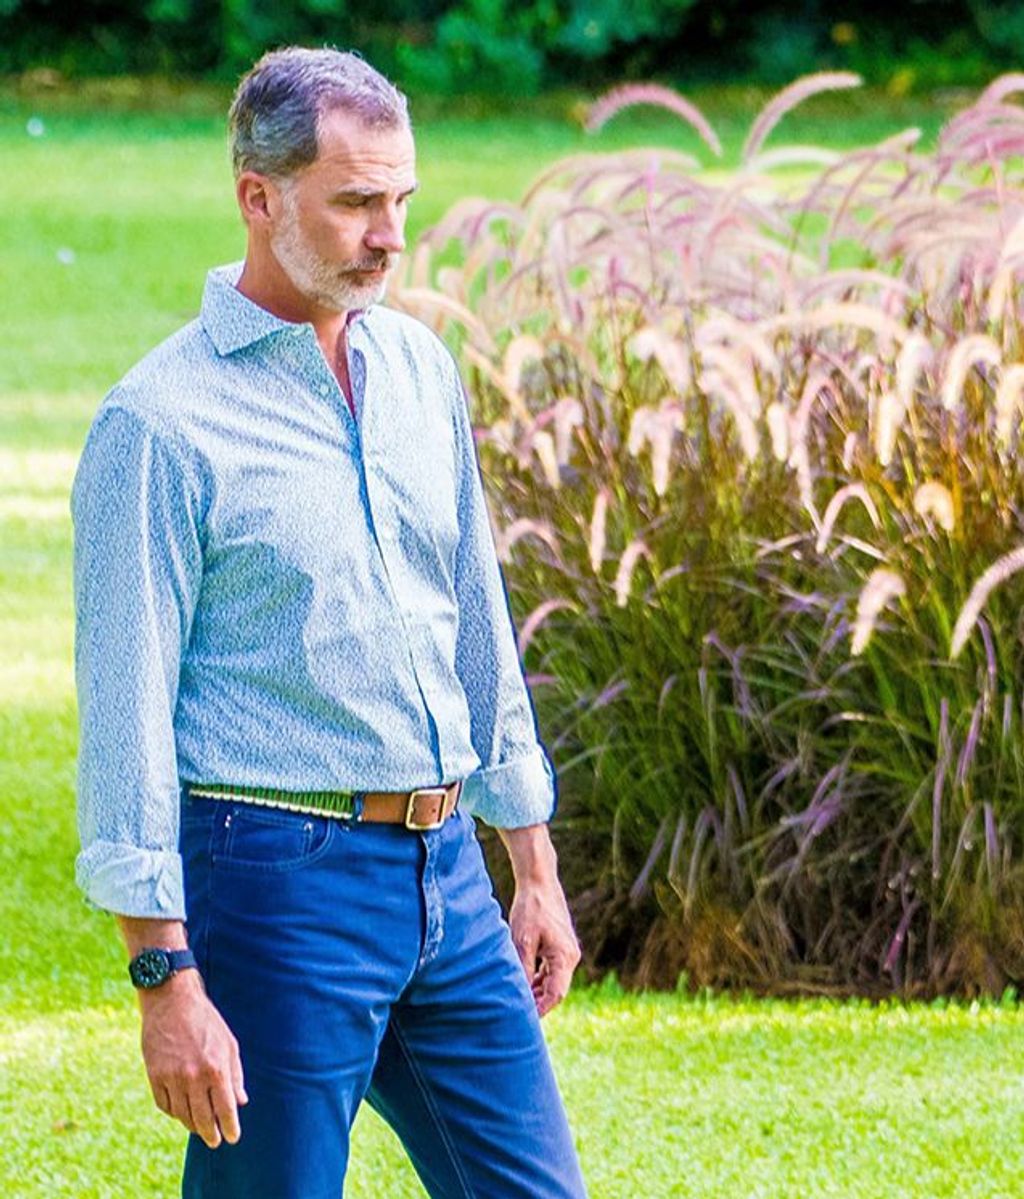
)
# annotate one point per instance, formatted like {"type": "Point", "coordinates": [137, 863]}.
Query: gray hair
{"type": "Point", "coordinates": [276, 112]}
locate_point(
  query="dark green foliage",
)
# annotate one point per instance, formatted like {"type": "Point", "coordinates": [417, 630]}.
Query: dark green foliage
{"type": "Point", "coordinates": [1000, 23]}
{"type": "Point", "coordinates": [481, 45]}
{"type": "Point", "coordinates": [505, 48]}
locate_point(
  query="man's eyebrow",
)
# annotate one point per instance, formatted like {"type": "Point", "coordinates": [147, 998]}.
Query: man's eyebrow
{"type": "Point", "coordinates": [371, 193]}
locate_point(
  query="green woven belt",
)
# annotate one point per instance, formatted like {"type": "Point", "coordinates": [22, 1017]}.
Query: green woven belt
{"type": "Point", "coordinates": [342, 804]}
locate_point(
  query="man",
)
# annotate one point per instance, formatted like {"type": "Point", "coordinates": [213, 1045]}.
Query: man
{"type": "Point", "coordinates": [297, 677]}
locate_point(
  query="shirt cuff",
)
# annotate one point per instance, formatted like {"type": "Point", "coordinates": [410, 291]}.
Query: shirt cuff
{"type": "Point", "coordinates": [513, 794]}
{"type": "Point", "coordinates": [131, 881]}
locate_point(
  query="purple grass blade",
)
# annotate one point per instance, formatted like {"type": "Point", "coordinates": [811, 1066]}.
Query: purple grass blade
{"type": "Point", "coordinates": [741, 688]}
{"type": "Point", "coordinates": [828, 779]}
{"type": "Point", "coordinates": [991, 842]}
{"type": "Point", "coordinates": [663, 694]}
{"type": "Point", "coordinates": [779, 777]}
{"type": "Point", "coordinates": [964, 845]}
{"type": "Point", "coordinates": [992, 671]}
{"type": "Point", "coordinates": [739, 797]}
{"type": "Point", "coordinates": [895, 949]}
{"type": "Point", "coordinates": [702, 684]}
{"type": "Point", "coordinates": [700, 833]}
{"type": "Point", "coordinates": [642, 884]}
{"type": "Point", "coordinates": [610, 693]}
{"type": "Point", "coordinates": [676, 852]}
{"type": "Point", "coordinates": [963, 765]}
{"type": "Point", "coordinates": [827, 812]}
{"type": "Point", "coordinates": [941, 766]}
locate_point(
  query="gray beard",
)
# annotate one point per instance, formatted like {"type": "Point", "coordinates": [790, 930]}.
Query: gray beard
{"type": "Point", "coordinates": [319, 280]}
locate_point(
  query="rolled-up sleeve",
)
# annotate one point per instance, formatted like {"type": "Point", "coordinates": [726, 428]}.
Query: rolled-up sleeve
{"type": "Point", "coordinates": [516, 784]}
{"type": "Point", "coordinates": [136, 504]}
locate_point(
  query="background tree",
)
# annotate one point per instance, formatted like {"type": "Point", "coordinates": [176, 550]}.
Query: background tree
{"type": "Point", "coordinates": [496, 46]}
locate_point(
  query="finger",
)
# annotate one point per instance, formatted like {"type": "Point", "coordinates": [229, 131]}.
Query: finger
{"type": "Point", "coordinates": [203, 1119]}
{"type": "Point", "coordinates": [225, 1109]}
{"type": "Point", "coordinates": [550, 997]}
{"type": "Point", "coordinates": [161, 1098]}
{"type": "Point", "coordinates": [177, 1106]}
{"type": "Point", "coordinates": [554, 985]}
{"type": "Point", "coordinates": [539, 986]}
{"type": "Point", "coordinates": [539, 982]}
{"type": "Point", "coordinates": [238, 1077]}
{"type": "Point", "coordinates": [575, 953]}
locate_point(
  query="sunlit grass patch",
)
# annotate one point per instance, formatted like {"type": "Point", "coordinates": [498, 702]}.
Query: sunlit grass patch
{"type": "Point", "coordinates": [37, 470]}
{"type": "Point", "coordinates": [27, 509]}
{"type": "Point", "coordinates": [669, 1097]}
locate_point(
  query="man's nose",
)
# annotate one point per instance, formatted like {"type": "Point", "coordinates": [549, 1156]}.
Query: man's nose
{"type": "Point", "coordinates": [387, 233]}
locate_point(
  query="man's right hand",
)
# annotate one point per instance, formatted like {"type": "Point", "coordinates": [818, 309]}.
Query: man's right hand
{"type": "Point", "coordinates": [192, 1059]}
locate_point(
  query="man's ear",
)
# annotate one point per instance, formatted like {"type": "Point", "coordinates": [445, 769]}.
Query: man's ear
{"type": "Point", "coordinates": [259, 198]}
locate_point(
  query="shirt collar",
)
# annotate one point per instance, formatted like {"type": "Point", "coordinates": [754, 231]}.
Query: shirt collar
{"type": "Point", "coordinates": [233, 321]}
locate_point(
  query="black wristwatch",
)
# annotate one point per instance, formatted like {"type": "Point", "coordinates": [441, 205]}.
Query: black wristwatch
{"type": "Point", "coordinates": [152, 967]}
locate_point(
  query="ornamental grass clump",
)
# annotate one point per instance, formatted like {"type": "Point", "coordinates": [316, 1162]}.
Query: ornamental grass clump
{"type": "Point", "coordinates": [753, 450]}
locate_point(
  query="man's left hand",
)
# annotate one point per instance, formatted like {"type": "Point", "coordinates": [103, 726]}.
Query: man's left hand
{"type": "Point", "coordinates": [542, 930]}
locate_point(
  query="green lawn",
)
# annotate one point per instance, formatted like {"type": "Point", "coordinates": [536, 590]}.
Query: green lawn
{"type": "Point", "coordinates": [110, 223]}
{"type": "Point", "coordinates": [668, 1097]}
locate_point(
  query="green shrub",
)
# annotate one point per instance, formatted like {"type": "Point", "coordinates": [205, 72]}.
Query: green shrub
{"type": "Point", "coordinates": [754, 443]}
{"type": "Point", "coordinates": [483, 45]}
{"type": "Point", "coordinates": [497, 47]}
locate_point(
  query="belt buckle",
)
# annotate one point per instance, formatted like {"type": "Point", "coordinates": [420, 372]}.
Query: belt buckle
{"type": "Point", "coordinates": [418, 826]}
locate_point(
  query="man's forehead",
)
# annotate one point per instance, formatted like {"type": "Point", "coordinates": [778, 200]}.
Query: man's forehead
{"type": "Point", "coordinates": [348, 143]}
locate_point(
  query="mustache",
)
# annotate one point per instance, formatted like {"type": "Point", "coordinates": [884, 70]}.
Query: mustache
{"type": "Point", "coordinates": [382, 262]}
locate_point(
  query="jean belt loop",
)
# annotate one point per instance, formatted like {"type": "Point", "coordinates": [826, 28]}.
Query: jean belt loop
{"type": "Point", "coordinates": [357, 805]}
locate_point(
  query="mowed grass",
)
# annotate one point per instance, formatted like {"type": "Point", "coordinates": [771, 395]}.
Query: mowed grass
{"type": "Point", "coordinates": [110, 223]}
{"type": "Point", "coordinates": [668, 1097]}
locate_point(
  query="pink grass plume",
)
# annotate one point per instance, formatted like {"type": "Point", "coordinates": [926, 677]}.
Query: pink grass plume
{"type": "Point", "coordinates": [933, 500]}
{"type": "Point", "coordinates": [536, 618]}
{"type": "Point", "coordinates": [974, 350]}
{"type": "Point", "coordinates": [852, 491]}
{"type": "Point", "coordinates": [796, 93]}
{"type": "Point", "coordinates": [626, 96]}
{"type": "Point", "coordinates": [627, 563]}
{"type": "Point", "coordinates": [1002, 569]}
{"type": "Point", "coordinates": [526, 527]}
{"type": "Point", "coordinates": [882, 587]}
{"type": "Point", "coordinates": [1009, 396]}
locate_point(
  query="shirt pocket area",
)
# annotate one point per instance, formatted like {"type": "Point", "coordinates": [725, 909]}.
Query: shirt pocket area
{"type": "Point", "coordinates": [265, 840]}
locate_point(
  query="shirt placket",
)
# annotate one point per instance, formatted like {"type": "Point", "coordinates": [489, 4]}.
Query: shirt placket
{"type": "Point", "coordinates": [383, 523]}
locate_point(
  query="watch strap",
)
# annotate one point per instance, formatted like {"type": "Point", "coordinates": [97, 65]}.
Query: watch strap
{"type": "Point", "coordinates": [181, 959]}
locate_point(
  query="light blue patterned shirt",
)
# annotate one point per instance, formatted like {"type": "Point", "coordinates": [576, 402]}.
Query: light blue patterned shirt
{"type": "Point", "coordinates": [272, 591]}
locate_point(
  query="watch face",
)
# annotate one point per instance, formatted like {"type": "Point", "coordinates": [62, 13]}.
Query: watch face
{"type": "Point", "coordinates": [150, 968]}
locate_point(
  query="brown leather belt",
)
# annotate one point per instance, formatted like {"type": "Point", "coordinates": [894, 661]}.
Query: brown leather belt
{"type": "Point", "coordinates": [422, 809]}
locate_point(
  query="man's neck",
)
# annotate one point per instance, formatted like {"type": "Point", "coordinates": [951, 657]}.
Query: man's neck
{"type": "Point", "coordinates": [276, 293]}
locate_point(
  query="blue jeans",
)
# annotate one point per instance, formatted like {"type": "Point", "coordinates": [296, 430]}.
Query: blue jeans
{"type": "Point", "coordinates": [359, 961]}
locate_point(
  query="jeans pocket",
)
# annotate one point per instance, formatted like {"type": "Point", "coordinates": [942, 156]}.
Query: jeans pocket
{"type": "Point", "coordinates": [197, 810]}
{"type": "Point", "coordinates": [260, 839]}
